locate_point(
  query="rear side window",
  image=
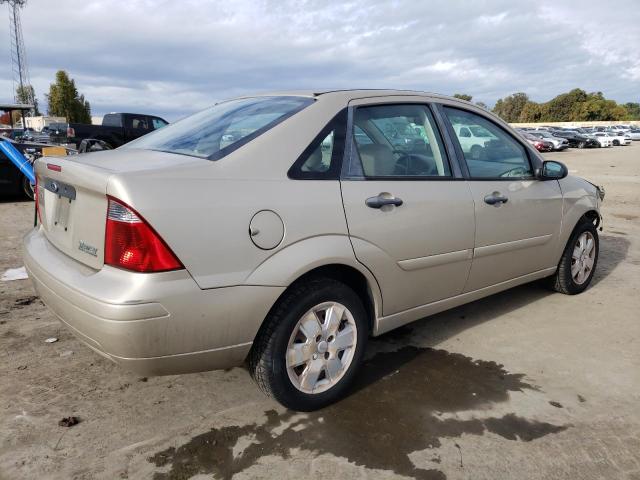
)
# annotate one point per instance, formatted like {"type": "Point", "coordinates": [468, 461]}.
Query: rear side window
{"type": "Point", "coordinates": [490, 152]}
{"type": "Point", "coordinates": [321, 160]}
{"type": "Point", "coordinates": [112, 120]}
{"type": "Point", "coordinates": [223, 128]}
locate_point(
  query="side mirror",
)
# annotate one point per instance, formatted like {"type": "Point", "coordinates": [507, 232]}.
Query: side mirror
{"type": "Point", "coordinates": [552, 170]}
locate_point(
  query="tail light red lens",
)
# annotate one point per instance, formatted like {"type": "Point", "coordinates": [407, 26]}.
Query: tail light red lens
{"type": "Point", "coordinates": [132, 244]}
{"type": "Point", "coordinates": [36, 196]}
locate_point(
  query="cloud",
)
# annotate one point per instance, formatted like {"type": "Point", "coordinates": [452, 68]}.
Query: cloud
{"type": "Point", "coordinates": [173, 58]}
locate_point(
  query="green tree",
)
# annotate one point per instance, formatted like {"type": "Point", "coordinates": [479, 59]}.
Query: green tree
{"type": "Point", "coordinates": [576, 105]}
{"type": "Point", "coordinates": [633, 110]}
{"type": "Point", "coordinates": [64, 101]}
{"type": "Point", "coordinates": [463, 96]}
{"type": "Point", "coordinates": [564, 107]}
{"type": "Point", "coordinates": [24, 94]}
{"type": "Point", "coordinates": [531, 112]}
{"type": "Point", "coordinates": [510, 108]}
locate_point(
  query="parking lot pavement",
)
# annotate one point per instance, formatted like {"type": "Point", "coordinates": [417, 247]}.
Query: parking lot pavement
{"type": "Point", "coordinates": [525, 384]}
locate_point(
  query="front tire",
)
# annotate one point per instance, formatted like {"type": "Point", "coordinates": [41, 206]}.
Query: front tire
{"type": "Point", "coordinates": [307, 353]}
{"type": "Point", "coordinates": [579, 260]}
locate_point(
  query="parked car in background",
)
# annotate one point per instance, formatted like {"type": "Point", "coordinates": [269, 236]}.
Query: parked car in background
{"type": "Point", "coordinates": [19, 134]}
{"type": "Point", "coordinates": [576, 139]}
{"type": "Point", "coordinates": [180, 252]}
{"type": "Point", "coordinates": [634, 134]}
{"type": "Point", "coordinates": [116, 129]}
{"type": "Point", "coordinates": [619, 128]}
{"type": "Point", "coordinates": [558, 143]}
{"type": "Point", "coordinates": [537, 142]}
{"type": "Point", "coordinates": [617, 139]}
{"type": "Point", "coordinates": [604, 140]}
{"type": "Point", "coordinates": [473, 139]}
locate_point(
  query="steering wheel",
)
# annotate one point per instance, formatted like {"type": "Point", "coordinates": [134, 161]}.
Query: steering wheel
{"type": "Point", "coordinates": [414, 164]}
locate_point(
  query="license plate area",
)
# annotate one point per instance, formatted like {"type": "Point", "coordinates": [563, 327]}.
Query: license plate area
{"type": "Point", "coordinates": [63, 195]}
{"type": "Point", "coordinates": [60, 188]}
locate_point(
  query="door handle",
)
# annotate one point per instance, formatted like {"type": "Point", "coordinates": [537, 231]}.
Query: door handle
{"type": "Point", "coordinates": [495, 198]}
{"type": "Point", "coordinates": [380, 201]}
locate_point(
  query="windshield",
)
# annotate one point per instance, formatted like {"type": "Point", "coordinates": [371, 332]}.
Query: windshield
{"type": "Point", "coordinates": [223, 128]}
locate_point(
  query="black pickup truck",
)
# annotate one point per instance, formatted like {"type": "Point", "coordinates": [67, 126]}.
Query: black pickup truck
{"type": "Point", "coordinates": [116, 129]}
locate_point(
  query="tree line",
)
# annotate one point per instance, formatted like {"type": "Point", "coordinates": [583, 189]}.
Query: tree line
{"type": "Point", "coordinates": [574, 106]}
{"type": "Point", "coordinates": [63, 99]}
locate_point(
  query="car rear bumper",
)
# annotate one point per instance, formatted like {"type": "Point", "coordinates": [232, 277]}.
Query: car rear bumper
{"type": "Point", "coordinates": [153, 324]}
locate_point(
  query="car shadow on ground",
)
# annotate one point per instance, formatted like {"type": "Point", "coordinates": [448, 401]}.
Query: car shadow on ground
{"type": "Point", "coordinates": [404, 400]}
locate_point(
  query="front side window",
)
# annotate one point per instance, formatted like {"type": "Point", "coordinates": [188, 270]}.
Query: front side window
{"type": "Point", "coordinates": [399, 141]}
{"type": "Point", "coordinates": [221, 129]}
{"type": "Point", "coordinates": [490, 152]}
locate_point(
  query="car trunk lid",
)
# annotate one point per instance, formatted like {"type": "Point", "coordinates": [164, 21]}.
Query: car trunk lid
{"type": "Point", "coordinates": [72, 196]}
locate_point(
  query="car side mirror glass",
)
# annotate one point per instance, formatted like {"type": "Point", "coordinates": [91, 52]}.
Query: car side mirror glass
{"type": "Point", "coordinates": [553, 170]}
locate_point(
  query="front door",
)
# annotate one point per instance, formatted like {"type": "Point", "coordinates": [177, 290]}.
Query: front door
{"type": "Point", "coordinates": [518, 217]}
{"type": "Point", "coordinates": [410, 218]}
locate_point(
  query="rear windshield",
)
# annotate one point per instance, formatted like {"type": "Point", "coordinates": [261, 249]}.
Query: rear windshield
{"type": "Point", "coordinates": [223, 128]}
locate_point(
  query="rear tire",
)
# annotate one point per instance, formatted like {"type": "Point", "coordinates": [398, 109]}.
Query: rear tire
{"type": "Point", "coordinates": [298, 361]}
{"type": "Point", "coordinates": [581, 145]}
{"type": "Point", "coordinates": [579, 260]}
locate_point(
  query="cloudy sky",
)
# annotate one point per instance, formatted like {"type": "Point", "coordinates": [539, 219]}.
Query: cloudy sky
{"type": "Point", "coordinates": [175, 57]}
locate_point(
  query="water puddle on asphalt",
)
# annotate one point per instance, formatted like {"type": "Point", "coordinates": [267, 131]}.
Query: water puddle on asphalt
{"type": "Point", "coordinates": [396, 408]}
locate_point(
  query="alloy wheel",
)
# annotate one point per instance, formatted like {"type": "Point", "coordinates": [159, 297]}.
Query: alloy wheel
{"type": "Point", "coordinates": [321, 347]}
{"type": "Point", "coordinates": [583, 257]}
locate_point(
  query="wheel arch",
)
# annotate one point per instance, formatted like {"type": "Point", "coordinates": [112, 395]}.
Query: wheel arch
{"type": "Point", "coordinates": [591, 215]}
{"type": "Point", "coordinates": [364, 285]}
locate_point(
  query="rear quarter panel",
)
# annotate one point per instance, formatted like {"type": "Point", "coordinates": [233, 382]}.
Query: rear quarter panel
{"type": "Point", "coordinates": [203, 211]}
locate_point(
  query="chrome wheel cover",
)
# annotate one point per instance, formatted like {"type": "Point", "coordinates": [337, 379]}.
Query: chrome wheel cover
{"type": "Point", "coordinates": [321, 347]}
{"type": "Point", "coordinates": [583, 257]}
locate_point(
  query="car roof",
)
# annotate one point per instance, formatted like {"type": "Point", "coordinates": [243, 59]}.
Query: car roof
{"type": "Point", "coordinates": [353, 94]}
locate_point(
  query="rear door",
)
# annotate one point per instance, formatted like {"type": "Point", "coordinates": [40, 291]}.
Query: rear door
{"type": "Point", "coordinates": [409, 211]}
{"type": "Point", "coordinates": [518, 217]}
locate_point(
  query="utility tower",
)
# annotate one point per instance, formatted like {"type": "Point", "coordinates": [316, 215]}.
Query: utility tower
{"type": "Point", "coordinates": [18, 56]}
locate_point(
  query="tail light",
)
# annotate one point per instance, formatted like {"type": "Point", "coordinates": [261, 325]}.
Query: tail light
{"type": "Point", "coordinates": [132, 244]}
{"type": "Point", "coordinates": [36, 196]}
{"type": "Point", "coordinates": [71, 132]}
